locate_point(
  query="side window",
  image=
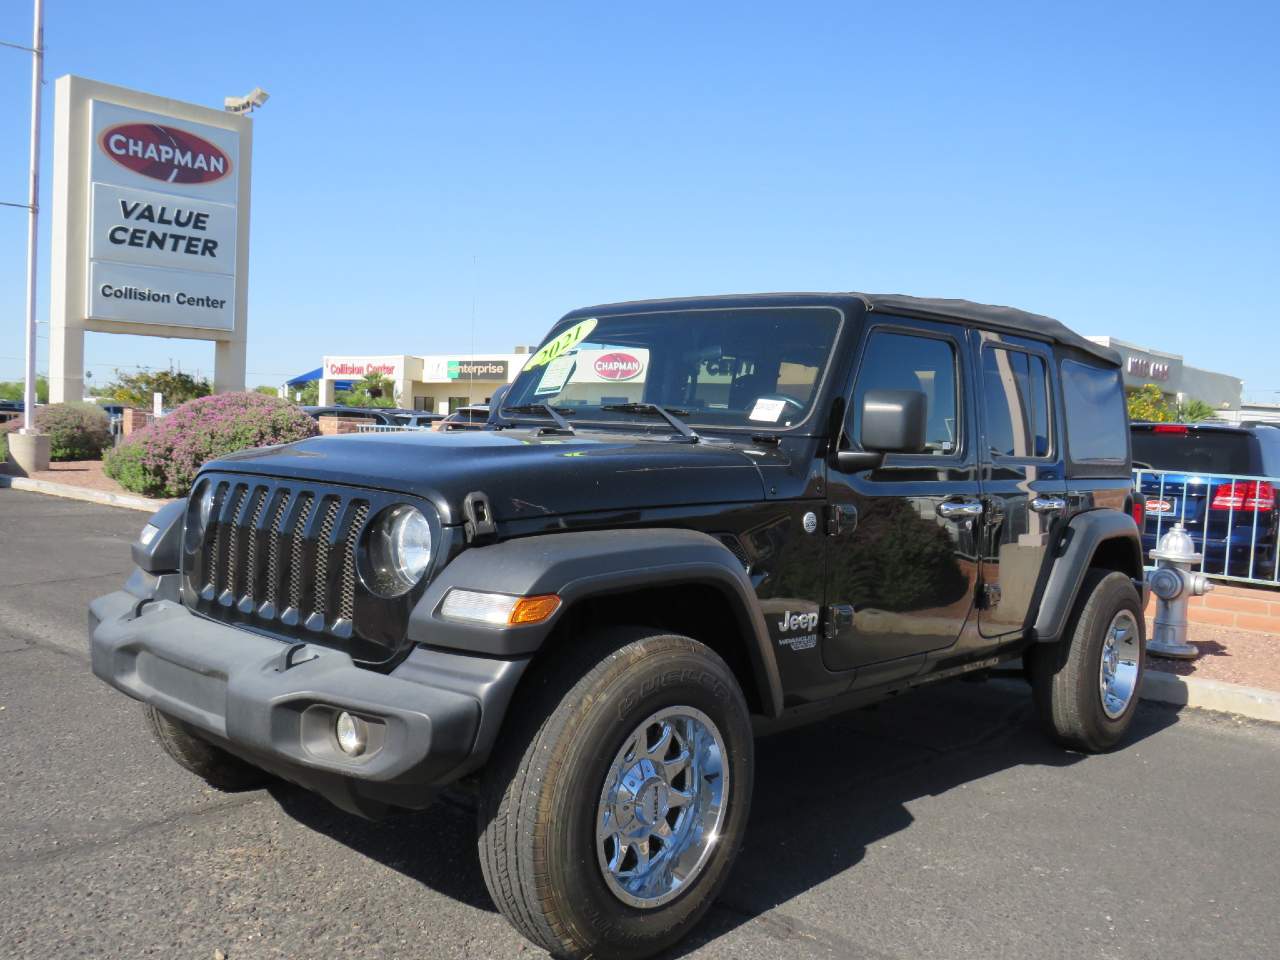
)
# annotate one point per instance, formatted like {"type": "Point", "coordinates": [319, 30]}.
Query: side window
{"type": "Point", "coordinates": [901, 361]}
{"type": "Point", "coordinates": [1097, 426]}
{"type": "Point", "coordinates": [1015, 414]}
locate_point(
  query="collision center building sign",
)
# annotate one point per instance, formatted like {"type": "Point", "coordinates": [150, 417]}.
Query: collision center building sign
{"type": "Point", "coordinates": [162, 219]}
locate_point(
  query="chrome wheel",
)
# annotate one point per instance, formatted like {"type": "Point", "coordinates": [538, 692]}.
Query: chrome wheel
{"type": "Point", "coordinates": [662, 806]}
{"type": "Point", "coordinates": [1118, 672]}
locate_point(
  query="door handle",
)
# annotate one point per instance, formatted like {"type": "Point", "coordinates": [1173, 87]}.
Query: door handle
{"type": "Point", "coordinates": [960, 509]}
{"type": "Point", "coordinates": [1048, 504]}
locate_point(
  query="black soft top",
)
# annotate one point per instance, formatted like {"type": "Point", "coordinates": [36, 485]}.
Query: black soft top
{"type": "Point", "coordinates": [1001, 318]}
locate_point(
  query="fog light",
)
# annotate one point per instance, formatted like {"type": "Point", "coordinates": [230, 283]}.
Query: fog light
{"type": "Point", "coordinates": [352, 733]}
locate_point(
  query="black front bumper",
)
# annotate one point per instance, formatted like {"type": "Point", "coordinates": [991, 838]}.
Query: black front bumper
{"type": "Point", "coordinates": [438, 712]}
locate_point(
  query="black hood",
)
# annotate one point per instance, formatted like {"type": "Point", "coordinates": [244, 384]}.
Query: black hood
{"type": "Point", "coordinates": [525, 474]}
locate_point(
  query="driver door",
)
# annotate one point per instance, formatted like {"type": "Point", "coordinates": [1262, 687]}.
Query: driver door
{"type": "Point", "coordinates": [902, 544]}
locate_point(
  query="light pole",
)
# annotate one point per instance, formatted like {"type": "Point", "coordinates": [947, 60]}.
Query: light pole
{"type": "Point", "coordinates": [33, 210]}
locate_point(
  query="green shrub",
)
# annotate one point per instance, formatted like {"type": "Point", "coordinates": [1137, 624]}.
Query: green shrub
{"type": "Point", "coordinates": [164, 458]}
{"type": "Point", "coordinates": [77, 431]}
{"type": "Point", "coordinates": [124, 465]}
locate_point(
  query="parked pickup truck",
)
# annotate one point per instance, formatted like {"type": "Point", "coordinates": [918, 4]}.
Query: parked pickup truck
{"type": "Point", "coordinates": [687, 523]}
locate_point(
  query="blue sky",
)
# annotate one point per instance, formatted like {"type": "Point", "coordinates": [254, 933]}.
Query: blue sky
{"type": "Point", "coordinates": [1114, 165]}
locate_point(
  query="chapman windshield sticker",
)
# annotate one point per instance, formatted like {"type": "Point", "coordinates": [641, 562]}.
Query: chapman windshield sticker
{"type": "Point", "coordinates": [566, 341]}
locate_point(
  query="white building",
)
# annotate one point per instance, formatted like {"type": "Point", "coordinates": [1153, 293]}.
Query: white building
{"type": "Point", "coordinates": [439, 383]}
{"type": "Point", "coordinates": [1177, 380]}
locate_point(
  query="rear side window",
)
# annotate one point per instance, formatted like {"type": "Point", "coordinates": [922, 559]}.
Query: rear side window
{"type": "Point", "coordinates": [1196, 451]}
{"type": "Point", "coordinates": [1093, 399]}
{"type": "Point", "coordinates": [899, 361]}
{"type": "Point", "coordinates": [1015, 412]}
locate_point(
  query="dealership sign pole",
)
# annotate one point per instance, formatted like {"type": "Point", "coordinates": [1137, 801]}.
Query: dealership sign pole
{"type": "Point", "coordinates": [33, 217]}
{"type": "Point", "coordinates": [150, 226]}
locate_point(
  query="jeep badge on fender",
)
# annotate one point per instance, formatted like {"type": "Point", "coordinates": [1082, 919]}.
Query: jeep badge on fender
{"type": "Point", "coordinates": [588, 607]}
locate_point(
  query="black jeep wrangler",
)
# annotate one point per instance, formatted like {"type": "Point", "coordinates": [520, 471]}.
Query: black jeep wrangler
{"type": "Point", "coordinates": [687, 522]}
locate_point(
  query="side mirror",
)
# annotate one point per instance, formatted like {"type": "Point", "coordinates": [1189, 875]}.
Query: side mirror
{"type": "Point", "coordinates": [892, 421]}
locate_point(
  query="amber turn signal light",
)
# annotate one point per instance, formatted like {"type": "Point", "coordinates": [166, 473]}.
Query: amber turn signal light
{"type": "Point", "coordinates": [533, 609]}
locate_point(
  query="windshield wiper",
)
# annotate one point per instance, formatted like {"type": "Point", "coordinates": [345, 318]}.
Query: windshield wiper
{"type": "Point", "coordinates": [669, 415]}
{"type": "Point", "coordinates": [555, 415]}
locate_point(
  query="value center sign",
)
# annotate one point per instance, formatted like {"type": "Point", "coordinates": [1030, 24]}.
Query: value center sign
{"type": "Point", "coordinates": [163, 219]}
{"type": "Point", "coordinates": [150, 226]}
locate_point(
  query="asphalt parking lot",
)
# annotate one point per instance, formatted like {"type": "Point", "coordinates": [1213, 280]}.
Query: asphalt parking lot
{"type": "Point", "coordinates": [940, 825]}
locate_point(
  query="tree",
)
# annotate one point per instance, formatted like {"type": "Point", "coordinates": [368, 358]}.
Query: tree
{"type": "Point", "coordinates": [372, 390]}
{"type": "Point", "coordinates": [1147, 404]}
{"type": "Point", "coordinates": [1194, 411]}
{"type": "Point", "coordinates": [267, 390]}
{"type": "Point", "coordinates": [135, 389]}
{"type": "Point", "coordinates": [12, 390]}
{"type": "Point", "coordinates": [308, 394]}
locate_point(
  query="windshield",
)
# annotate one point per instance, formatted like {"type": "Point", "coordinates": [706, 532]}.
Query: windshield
{"type": "Point", "coordinates": [754, 367]}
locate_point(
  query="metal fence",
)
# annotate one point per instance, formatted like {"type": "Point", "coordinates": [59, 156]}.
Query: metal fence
{"type": "Point", "coordinates": [1232, 520]}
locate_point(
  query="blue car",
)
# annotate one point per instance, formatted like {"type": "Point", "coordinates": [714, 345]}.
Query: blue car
{"type": "Point", "coordinates": [1220, 481]}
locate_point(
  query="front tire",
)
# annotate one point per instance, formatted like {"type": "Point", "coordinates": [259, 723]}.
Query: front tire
{"type": "Point", "coordinates": [211, 764]}
{"type": "Point", "coordinates": [1086, 685]}
{"type": "Point", "coordinates": [613, 808]}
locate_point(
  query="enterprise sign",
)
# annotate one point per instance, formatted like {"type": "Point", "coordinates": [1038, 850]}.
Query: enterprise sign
{"type": "Point", "coordinates": [162, 219]}
{"type": "Point", "coordinates": [443, 369]}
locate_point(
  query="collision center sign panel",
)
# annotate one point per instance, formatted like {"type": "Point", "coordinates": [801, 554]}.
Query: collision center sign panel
{"type": "Point", "coordinates": [163, 217]}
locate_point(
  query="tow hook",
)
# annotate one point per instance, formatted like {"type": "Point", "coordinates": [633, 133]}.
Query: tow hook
{"type": "Point", "coordinates": [293, 655]}
{"type": "Point", "coordinates": [1174, 583]}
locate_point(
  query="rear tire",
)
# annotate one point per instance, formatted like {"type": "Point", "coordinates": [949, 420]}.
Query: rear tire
{"type": "Point", "coordinates": [1083, 703]}
{"type": "Point", "coordinates": [553, 807]}
{"type": "Point", "coordinates": [213, 765]}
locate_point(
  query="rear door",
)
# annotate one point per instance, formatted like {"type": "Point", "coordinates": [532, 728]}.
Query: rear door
{"type": "Point", "coordinates": [1023, 476]}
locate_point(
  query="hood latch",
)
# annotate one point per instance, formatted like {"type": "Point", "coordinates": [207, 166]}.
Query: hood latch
{"type": "Point", "coordinates": [479, 518]}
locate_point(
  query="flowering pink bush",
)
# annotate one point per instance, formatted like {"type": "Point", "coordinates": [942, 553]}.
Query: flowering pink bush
{"type": "Point", "coordinates": [163, 459]}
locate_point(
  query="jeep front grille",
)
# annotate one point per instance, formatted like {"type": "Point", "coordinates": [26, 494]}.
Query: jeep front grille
{"type": "Point", "coordinates": [281, 557]}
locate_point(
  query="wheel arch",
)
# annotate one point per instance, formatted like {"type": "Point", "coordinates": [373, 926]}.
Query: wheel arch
{"type": "Point", "coordinates": [1107, 539]}
{"type": "Point", "coordinates": [683, 581]}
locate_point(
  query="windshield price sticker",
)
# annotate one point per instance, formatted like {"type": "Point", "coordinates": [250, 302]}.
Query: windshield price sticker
{"type": "Point", "coordinates": [566, 341]}
{"type": "Point", "coordinates": [767, 410]}
{"type": "Point", "coordinates": [556, 375]}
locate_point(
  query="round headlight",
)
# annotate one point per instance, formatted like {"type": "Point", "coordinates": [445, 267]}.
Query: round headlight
{"type": "Point", "coordinates": [206, 506]}
{"type": "Point", "coordinates": [399, 550]}
{"type": "Point", "coordinates": [198, 519]}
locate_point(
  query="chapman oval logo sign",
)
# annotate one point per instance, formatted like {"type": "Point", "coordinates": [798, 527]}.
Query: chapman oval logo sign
{"type": "Point", "coordinates": [169, 154]}
{"type": "Point", "coordinates": [618, 366]}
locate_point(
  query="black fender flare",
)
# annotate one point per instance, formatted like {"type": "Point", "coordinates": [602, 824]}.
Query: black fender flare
{"type": "Point", "coordinates": [589, 563]}
{"type": "Point", "coordinates": [1072, 557]}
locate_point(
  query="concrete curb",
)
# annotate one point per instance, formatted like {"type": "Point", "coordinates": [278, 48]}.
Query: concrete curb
{"type": "Point", "coordinates": [1211, 695]}
{"type": "Point", "coordinates": [69, 492]}
{"type": "Point", "coordinates": [1179, 691]}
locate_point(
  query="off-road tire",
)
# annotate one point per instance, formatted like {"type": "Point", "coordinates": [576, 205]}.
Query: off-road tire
{"type": "Point", "coordinates": [1064, 675]}
{"type": "Point", "coordinates": [541, 789]}
{"type": "Point", "coordinates": [211, 764]}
